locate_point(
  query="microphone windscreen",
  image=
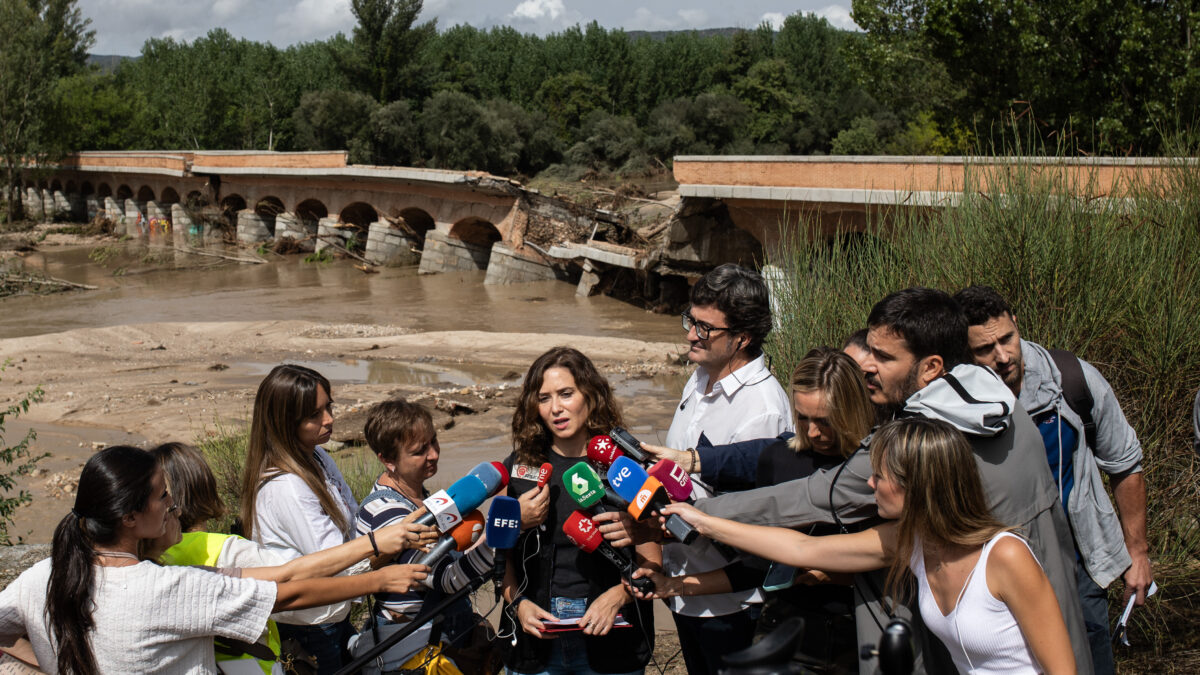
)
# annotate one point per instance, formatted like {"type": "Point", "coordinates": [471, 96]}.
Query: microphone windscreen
{"type": "Point", "coordinates": [650, 496]}
{"type": "Point", "coordinates": [492, 478]}
{"type": "Point", "coordinates": [503, 473]}
{"type": "Point", "coordinates": [603, 451]}
{"type": "Point", "coordinates": [583, 484]}
{"type": "Point", "coordinates": [468, 493]}
{"type": "Point", "coordinates": [626, 477]}
{"type": "Point", "coordinates": [504, 522]}
{"type": "Point", "coordinates": [468, 531]}
{"type": "Point", "coordinates": [673, 478]}
{"type": "Point", "coordinates": [544, 474]}
{"type": "Point", "coordinates": [582, 532]}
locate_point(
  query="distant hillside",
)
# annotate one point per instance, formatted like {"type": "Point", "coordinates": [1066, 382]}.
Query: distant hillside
{"type": "Point", "coordinates": [107, 62]}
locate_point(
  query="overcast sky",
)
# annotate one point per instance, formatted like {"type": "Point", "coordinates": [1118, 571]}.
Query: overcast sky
{"type": "Point", "coordinates": [123, 25]}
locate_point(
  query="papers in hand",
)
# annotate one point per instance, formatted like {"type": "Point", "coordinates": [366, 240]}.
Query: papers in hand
{"type": "Point", "coordinates": [1121, 633]}
{"type": "Point", "coordinates": [564, 625]}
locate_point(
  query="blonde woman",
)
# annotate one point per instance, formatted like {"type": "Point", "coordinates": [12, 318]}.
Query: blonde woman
{"type": "Point", "coordinates": [979, 587]}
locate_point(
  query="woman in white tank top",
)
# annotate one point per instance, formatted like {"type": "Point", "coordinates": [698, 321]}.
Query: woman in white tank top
{"type": "Point", "coordinates": [980, 589]}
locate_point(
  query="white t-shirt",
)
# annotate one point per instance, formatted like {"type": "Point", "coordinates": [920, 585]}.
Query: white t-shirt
{"type": "Point", "coordinates": [148, 618]}
{"type": "Point", "coordinates": [289, 520]}
{"type": "Point", "coordinates": [744, 405]}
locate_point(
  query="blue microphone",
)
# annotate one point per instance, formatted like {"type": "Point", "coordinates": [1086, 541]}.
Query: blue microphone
{"type": "Point", "coordinates": [626, 477]}
{"type": "Point", "coordinates": [502, 530]}
{"type": "Point", "coordinates": [446, 507]}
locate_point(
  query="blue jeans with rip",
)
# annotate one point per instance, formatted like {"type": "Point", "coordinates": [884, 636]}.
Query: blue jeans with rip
{"type": "Point", "coordinates": [568, 652]}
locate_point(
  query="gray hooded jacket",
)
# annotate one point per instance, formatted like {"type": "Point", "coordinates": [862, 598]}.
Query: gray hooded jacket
{"type": "Point", "coordinates": [1098, 534]}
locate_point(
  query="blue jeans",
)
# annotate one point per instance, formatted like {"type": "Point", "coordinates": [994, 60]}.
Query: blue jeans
{"type": "Point", "coordinates": [325, 642]}
{"type": "Point", "coordinates": [568, 652]}
{"type": "Point", "coordinates": [1094, 602]}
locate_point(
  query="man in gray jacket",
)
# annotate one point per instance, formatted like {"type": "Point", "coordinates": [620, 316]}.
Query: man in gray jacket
{"type": "Point", "coordinates": [919, 365]}
{"type": "Point", "coordinates": [1108, 546]}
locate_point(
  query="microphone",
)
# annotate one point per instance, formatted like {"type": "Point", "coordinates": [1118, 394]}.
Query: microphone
{"type": "Point", "coordinates": [587, 489]}
{"type": "Point", "coordinates": [583, 533]}
{"type": "Point", "coordinates": [646, 494]}
{"type": "Point", "coordinates": [460, 538]}
{"type": "Point", "coordinates": [602, 451]}
{"type": "Point", "coordinates": [630, 445]}
{"type": "Point", "coordinates": [674, 479]}
{"type": "Point", "coordinates": [503, 529]}
{"type": "Point", "coordinates": [503, 522]}
{"type": "Point", "coordinates": [466, 494]}
{"type": "Point", "coordinates": [544, 474]}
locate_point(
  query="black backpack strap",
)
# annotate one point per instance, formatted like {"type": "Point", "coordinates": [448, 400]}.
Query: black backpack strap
{"type": "Point", "coordinates": [1075, 391]}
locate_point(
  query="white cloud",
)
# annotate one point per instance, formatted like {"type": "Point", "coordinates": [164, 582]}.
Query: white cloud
{"type": "Point", "coordinates": [838, 16]}
{"type": "Point", "coordinates": [645, 19]}
{"type": "Point", "coordinates": [693, 18]}
{"type": "Point", "coordinates": [313, 20]}
{"type": "Point", "coordinates": [224, 10]}
{"type": "Point", "coordinates": [773, 18]}
{"type": "Point", "coordinates": [536, 10]}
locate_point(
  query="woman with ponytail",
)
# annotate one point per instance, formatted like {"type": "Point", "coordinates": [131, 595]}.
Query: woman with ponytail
{"type": "Point", "coordinates": [294, 499]}
{"type": "Point", "coordinates": [94, 606]}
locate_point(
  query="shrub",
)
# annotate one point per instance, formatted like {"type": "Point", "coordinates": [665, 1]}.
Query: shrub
{"type": "Point", "coordinates": [18, 460]}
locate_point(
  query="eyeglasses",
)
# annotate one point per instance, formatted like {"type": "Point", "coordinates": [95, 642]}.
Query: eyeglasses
{"type": "Point", "coordinates": [703, 330]}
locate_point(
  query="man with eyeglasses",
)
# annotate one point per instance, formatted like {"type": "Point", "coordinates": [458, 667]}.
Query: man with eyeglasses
{"type": "Point", "coordinates": [731, 397]}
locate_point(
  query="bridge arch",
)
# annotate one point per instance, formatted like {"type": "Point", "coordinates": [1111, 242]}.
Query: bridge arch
{"type": "Point", "coordinates": [196, 199]}
{"type": "Point", "coordinates": [103, 190]}
{"type": "Point", "coordinates": [168, 196]}
{"type": "Point", "coordinates": [145, 194]}
{"type": "Point", "coordinates": [71, 187]}
{"type": "Point", "coordinates": [55, 185]}
{"type": "Point", "coordinates": [359, 214]}
{"type": "Point", "coordinates": [124, 192]}
{"type": "Point", "coordinates": [86, 188]}
{"type": "Point", "coordinates": [474, 230]}
{"type": "Point", "coordinates": [311, 210]}
{"type": "Point", "coordinates": [418, 219]}
{"type": "Point", "coordinates": [230, 205]}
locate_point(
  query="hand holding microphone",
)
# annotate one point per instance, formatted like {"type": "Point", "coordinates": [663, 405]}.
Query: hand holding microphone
{"type": "Point", "coordinates": [582, 532]}
{"type": "Point", "coordinates": [460, 538]}
{"type": "Point", "coordinates": [646, 494]}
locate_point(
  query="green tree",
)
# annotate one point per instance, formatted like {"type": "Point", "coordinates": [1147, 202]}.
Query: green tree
{"type": "Point", "coordinates": [335, 120]}
{"type": "Point", "coordinates": [95, 113]}
{"type": "Point", "coordinates": [43, 41]}
{"type": "Point", "coordinates": [568, 98]}
{"type": "Point", "coordinates": [381, 59]}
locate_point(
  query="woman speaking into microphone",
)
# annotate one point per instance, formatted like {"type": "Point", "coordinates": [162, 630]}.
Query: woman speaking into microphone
{"type": "Point", "coordinates": [564, 401]}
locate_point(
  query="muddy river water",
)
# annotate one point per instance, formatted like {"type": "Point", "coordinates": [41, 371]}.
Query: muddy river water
{"type": "Point", "coordinates": [141, 287]}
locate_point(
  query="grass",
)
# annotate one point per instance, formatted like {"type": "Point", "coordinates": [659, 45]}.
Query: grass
{"type": "Point", "coordinates": [1114, 277]}
{"type": "Point", "coordinates": [225, 450]}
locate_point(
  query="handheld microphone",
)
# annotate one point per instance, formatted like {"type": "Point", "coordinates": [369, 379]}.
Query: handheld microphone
{"type": "Point", "coordinates": [602, 451]}
{"type": "Point", "coordinates": [675, 480]}
{"type": "Point", "coordinates": [503, 529]}
{"type": "Point", "coordinates": [460, 538]}
{"type": "Point", "coordinates": [587, 489]}
{"type": "Point", "coordinates": [646, 494]}
{"type": "Point", "coordinates": [503, 522]}
{"type": "Point", "coordinates": [544, 474]}
{"type": "Point", "coordinates": [630, 445]}
{"type": "Point", "coordinates": [583, 533]}
{"type": "Point", "coordinates": [466, 494]}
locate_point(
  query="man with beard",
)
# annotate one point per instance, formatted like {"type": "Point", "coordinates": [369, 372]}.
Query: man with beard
{"type": "Point", "coordinates": [919, 364]}
{"type": "Point", "coordinates": [1107, 544]}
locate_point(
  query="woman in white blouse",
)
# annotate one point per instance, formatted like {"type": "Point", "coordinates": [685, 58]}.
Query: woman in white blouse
{"type": "Point", "coordinates": [294, 499]}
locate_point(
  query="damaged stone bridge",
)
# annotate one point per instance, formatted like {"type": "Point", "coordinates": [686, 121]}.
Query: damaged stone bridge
{"type": "Point", "coordinates": [442, 220]}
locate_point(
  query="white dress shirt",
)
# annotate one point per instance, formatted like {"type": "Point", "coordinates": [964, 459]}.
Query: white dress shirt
{"type": "Point", "coordinates": [744, 405]}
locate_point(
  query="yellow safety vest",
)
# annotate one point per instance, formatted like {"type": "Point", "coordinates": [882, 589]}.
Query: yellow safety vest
{"type": "Point", "coordinates": [203, 548]}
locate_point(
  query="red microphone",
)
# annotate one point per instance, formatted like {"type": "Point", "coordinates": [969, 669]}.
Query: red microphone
{"type": "Point", "coordinates": [602, 451]}
{"type": "Point", "coordinates": [544, 474]}
{"type": "Point", "coordinates": [503, 473]}
{"type": "Point", "coordinates": [674, 479]}
{"type": "Point", "coordinates": [582, 532]}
